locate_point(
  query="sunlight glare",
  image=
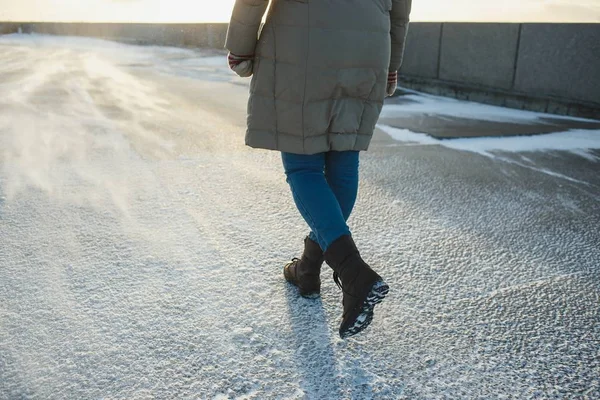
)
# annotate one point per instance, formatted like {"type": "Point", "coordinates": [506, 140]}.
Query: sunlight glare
{"type": "Point", "coordinates": [202, 11]}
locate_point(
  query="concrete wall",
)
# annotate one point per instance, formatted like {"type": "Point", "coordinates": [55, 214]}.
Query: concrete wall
{"type": "Point", "coordinates": [422, 52]}
{"type": "Point", "coordinates": [479, 55]}
{"type": "Point", "coordinates": [7, 27]}
{"type": "Point", "coordinates": [542, 67]}
{"type": "Point", "coordinates": [193, 35]}
{"type": "Point", "coordinates": [560, 60]}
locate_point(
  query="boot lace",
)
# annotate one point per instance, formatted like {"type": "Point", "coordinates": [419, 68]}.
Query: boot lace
{"type": "Point", "coordinates": [336, 279]}
{"type": "Point", "coordinates": [294, 261]}
{"type": "Point", "coordinates": [338, 282]}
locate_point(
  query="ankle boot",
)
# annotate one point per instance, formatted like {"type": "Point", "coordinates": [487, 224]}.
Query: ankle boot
{"type": "Point", "coordinates": [363, 288]}
{"type": "Point", "coordinates": [305, 272]}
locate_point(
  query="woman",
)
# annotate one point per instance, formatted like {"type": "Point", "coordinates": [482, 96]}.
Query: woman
{"type": "Point", "coordinates": [321, 70]}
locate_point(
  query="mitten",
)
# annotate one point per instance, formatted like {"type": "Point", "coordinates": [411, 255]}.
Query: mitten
{"type": "Point", "coordinates": [241, 65]}
{"type": "Point", "coordinates": [392, 83]}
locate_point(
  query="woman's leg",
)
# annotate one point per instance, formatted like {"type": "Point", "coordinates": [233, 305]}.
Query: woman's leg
{"type": "Point", "coordinates": [341, 172]}
{"type": "Point", "coordinates": [314, 198]}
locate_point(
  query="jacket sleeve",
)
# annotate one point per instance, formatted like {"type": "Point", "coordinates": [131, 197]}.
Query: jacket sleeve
{"type": "Point", "coordinates": [242, 33]}
{"type": "Point", "coordinates": [399, 16]}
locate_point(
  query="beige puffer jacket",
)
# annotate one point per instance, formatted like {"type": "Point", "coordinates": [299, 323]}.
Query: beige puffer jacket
{"type": "Point", "coordinates": [320, 69]}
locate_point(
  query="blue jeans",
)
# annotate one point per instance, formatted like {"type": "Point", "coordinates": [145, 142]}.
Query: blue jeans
{"type": "Point", "coordinates": [324, 187]}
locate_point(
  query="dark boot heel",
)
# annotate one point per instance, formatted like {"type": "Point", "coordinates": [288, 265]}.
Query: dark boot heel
{"type": "Point", "coordinates": [378, 292]}
{"type": "Point", "coordinates": [376, 295]}
{"type": "Point", "coordinates": [305, 272]}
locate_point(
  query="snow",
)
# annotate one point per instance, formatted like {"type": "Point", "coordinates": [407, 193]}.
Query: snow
{"type": "Point", "coordinates": [581, 142]}
{"type": "Point", "coordinates": [575, 140]}
{"type": "Point", "coordinates": [424, 104]}
{"type": "Point", "coordinates": [141, 247]}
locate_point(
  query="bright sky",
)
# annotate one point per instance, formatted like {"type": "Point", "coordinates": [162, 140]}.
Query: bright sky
{"type": "Point", "coordinates": [219, 10]}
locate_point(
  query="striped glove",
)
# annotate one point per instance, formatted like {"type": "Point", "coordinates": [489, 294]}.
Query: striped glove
{"type": "Point", "coordinates": [241, 65]}
{"type": "Point", "coordinates": [392, 83]}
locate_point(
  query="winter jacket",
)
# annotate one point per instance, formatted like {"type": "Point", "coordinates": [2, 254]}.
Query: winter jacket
{"type": "Point", "coordinates": [320, 69]}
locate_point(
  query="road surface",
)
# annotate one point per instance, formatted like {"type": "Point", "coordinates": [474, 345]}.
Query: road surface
{"type": "Point", "coordinates": [142, 245]}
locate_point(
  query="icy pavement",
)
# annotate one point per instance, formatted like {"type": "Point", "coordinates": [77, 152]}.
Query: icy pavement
{"type": "Point", "coordinates": [447, 118]}
{"type": "Point", "coordinates": [141, 247]}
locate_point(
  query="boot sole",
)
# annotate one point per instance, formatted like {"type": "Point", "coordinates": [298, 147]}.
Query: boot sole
{"type": "Point", "coordinates": [310, 295]}
{"type": "Point", "coordinates": [378, 291]}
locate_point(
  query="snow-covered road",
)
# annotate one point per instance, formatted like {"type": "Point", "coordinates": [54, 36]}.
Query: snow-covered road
{"type": "Point", "coordinates": [141, 247]}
